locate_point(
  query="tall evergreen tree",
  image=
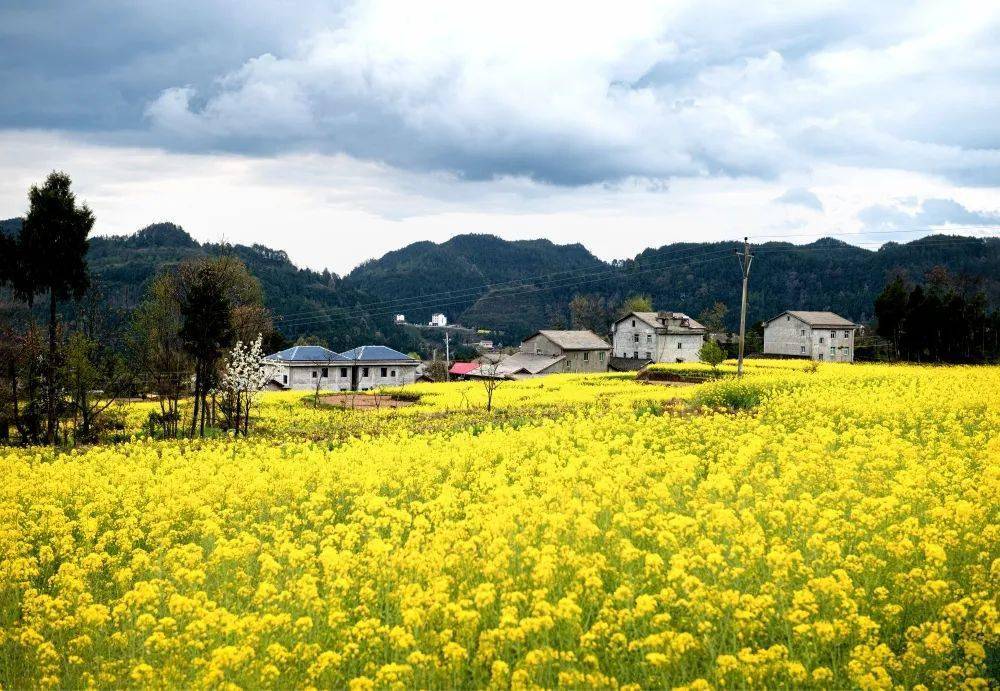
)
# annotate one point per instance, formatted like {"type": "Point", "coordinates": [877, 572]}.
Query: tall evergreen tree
{"type": "Point", "coordinates": [52, 258]}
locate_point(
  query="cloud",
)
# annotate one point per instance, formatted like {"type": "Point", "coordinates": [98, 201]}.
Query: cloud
{"type": "Point", "coordinates": [802, 197]}
{"type": "Point", "coordinates": [567, 94]}
{"type": "Point", "coordinates": [926, 215]}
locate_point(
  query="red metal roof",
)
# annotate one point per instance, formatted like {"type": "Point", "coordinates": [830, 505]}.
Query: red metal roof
{"type": "Point", "coordinates": [463, 367]}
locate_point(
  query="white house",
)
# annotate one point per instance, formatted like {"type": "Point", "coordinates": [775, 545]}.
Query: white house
{"type": "Point", "coordinates": [438, 320]}
{"type": "Point", "coordinates": [814, 335]}
{"type": "Point", "coordinates": [364, 367]}
{"type": "Point", "coordinates": [302, 367]}
{"type": "Point", "coordinates": [657, 337]}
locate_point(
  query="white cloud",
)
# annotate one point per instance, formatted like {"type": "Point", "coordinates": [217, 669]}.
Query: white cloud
{"type": "Point", "coordinates": [575, 94]}
{"type": "Point", "coordinates": [335, 211]}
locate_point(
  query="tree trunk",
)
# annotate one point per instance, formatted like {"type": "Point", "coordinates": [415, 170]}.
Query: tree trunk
{"type": "Point", "coordinates": [197, 396]}
{"type": "Point", "coordinates": [50, 432]}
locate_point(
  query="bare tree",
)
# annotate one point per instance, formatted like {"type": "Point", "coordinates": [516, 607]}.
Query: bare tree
{"type": "Point", "coordinates": [491, 380]}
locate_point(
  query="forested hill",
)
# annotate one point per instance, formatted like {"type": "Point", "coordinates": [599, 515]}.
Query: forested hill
{"type": "Point", "coordinates": [515, 287]}
{"type": "Point", "coordinates": [689, 277]}
{"type": "Point", "coordinates": [305, 302]}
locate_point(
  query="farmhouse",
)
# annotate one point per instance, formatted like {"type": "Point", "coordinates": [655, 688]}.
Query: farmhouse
{"type": "Point", "coordinates": [658, 337]}
{"type": "Point", "coordinates": [375, 365]}
{"type": "Point", "coordinates": [815, 335]}
{"type": "Point", "coordinates": [581, 351]}
{"type": "Point", "coordinates": [365, 367]}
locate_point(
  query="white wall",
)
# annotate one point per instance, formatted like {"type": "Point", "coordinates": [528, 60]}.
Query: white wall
{"type": "Point", "coordinates": [789, 335]}
{"type": "Point", "coordinates": [654, 346]}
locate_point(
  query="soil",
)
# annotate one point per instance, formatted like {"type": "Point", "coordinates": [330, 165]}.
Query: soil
{"type": "Point", "coordinates": [363, 401]}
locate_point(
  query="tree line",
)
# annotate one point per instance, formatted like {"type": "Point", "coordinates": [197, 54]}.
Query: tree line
{"type": "Point", "coordinates": [946, 319]}
{"type": "Point", "coordinates": [196, 337]}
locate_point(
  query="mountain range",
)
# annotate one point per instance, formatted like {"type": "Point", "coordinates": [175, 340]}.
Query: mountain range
{"type": "Point", "coordinates": [514, 287]}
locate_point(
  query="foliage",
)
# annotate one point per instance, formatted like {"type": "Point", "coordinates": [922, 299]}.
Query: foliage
{"type": "Point", "coordinates": [941, 321]}
{"type": "Point", "coordinates": [714, 318]}
{"type": "Point", "coordinates": [590, 312]}
{"type": "Point", "coordinates": [842, 533]}
{"type": "Point", "coordinates": [711, 354]}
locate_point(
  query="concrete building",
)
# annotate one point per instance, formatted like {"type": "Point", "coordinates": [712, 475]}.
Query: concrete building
{"type": "Point", "coordinates": [366, 367]}
{"type": "Point", "coordinates": [815, 335]}
{"type": "Point", "coordinates": [438, 320]}
{"type": "Point", "coordinates": [582, 351]}
{"type": "Point", "coordinates": [375, 366]}
{"type": "Point", "coordinates": [519, 366]}
{"type": "Point", "coordinates": [658, 337]}
{"type": "Point", "coordinates": [302, 367]}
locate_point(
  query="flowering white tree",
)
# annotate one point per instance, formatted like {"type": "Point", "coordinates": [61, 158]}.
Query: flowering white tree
{"type": "Point", "coordinates": [246, 375]}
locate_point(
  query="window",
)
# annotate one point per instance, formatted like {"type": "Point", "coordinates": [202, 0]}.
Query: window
{"type": "Point", "coordinates": [679, 345]}
{"type": "Point", "coordinates": [847, 352]}
{"type": "Point", "coordinates": [649, 355]}
{"type": "Point", "coordinates": [326, 372]}
{"type": "Point", "coordinates": [600, 356]}
{"type": "Point", "coordinates": [649, 338]}
{"type": "Point", "coordinates": [833, 335]}
{"type": "Point", "coordinates": [802, 332]}
{"type": "Point", "coordinates": [833, 351]}
{"type": "Point", "coordinates": [635, 337]}
{"type": "Point", "coordinates": [633, 322]}
{"type": "Point", "coordinates": [821, 356]}
{"type": "Point", "coordinates": [538, 351]}
{"type": "Point", "coordinates": [847, 334]}
{"type": "Point", "coordinates": [314, 374]}
{"type": "Point", "coordinates": [586, 355]}
{"type": "Point", "coordinates": [284, 379]}
{"type": "Point", "coordinates": [788, 319]}
{"type": "Point", "coordinates": [364, 371]}
{"type": "Point", "coordinates": [820, 339]}
{"type": "Point", "coordinates": [392, 373]}
{"type": "Point", "coordinates": [343, 372]}
{"type": "Point", "coordinates": [566, 363]}
{"type": "Point", "coordinates": [802, 349]}
{"type": "Point", "coordinates": [636, 354]}
{"type": "Point", "coordinates": [385, 371]}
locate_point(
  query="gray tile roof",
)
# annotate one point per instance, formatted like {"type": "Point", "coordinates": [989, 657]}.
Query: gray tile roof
{"type": "Point", "coordinates": [819, 319]}
{"type": "Point", "coordinates": [652, 318]}
{"type": "Point", "coordinates": [518, 363]}
{"type": "Point", "coordinates": [307, 353]}
{"type": "Point", "coordinates": [375, 353]}
{"type": "Point", "coordinates": [575, 340]}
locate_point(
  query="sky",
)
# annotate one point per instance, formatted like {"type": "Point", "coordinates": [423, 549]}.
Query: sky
{"type": "Point", "coordinates": [340, 131]}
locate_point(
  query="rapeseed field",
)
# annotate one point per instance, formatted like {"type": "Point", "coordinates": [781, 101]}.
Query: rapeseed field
{"type": "Point", "coordinates": [810, 529]}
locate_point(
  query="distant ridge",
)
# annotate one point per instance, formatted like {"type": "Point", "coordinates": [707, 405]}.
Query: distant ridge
{"type": "Point", "coordinates": [426, 277]}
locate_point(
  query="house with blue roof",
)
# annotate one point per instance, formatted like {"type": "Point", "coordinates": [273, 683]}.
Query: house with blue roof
{"type": "Point", "coordinates": [365, 367]}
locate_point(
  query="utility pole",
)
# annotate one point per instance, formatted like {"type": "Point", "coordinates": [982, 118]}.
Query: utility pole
{"type": "Point", "coordinates": [745, 258]}
{"type": "Point", "coordinates": [447, 356]}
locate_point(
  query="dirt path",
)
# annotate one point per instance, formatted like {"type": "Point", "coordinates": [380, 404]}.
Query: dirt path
{"type": "Point", "coordinates": [363, 401]}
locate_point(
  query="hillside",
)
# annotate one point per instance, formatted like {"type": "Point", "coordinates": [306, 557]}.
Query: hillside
{"type": "Point", "coordinates": [304, 302]}
{"type": "Point", "coordinates": [514, 287]}
{"type": "Point", "coordinates": [823, 275]}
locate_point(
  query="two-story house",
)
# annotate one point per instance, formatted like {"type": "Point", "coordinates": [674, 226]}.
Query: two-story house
{"type": "Point", "coordinates": [580, 351]}
{"type": "Point", "coordinates": [658, 337]}
{"type": "Point", "coordinates": [815, 335]}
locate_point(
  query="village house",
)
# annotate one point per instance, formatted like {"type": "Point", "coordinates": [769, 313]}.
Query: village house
{"type": "Point", "coordinates": [365, 367]}
{"type": "Point", "coordinates": [581, 351]}
{"type": "Point", "coordinates": [815, 335]}
{"type": "Point", "coordinates": [657, 337]}
{"type": "Point", "coordinates": [548, 352]}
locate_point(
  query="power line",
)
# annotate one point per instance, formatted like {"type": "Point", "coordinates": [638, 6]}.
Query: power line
{"type": "Point", "coordinates": [403, 303]}
{"type": "Point", "coordinates": [646, 267]}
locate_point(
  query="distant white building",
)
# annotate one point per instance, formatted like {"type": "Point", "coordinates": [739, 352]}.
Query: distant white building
{"type": "Point", "coordinates": [658, 337]}
{"type": "Point", "coordinates": [815, 335]}
{"type": "Point", "coordinates": [438, 320]}
{"type": "Point", "coordinates": [400, 318]}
